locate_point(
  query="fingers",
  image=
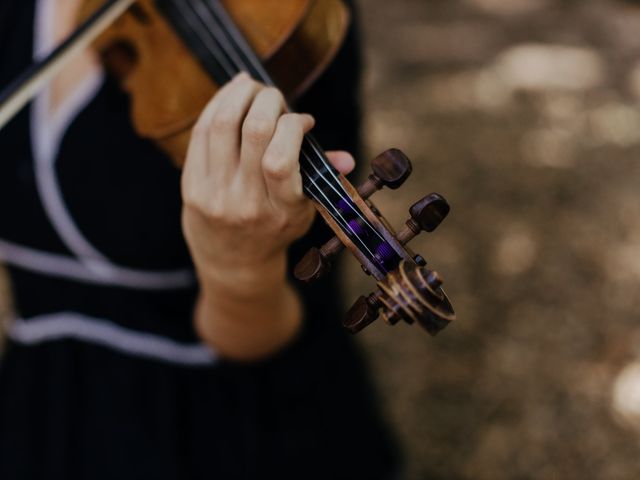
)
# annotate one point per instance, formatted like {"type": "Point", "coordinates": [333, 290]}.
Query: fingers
{"type": "Point", "coordinates": [220, 123]}
{"type": "Point", "coordinates": [197, 163]}
{"type": "Point", "coordinates": [280, 165]}
{"type": "Point", "coordinates": [343, 161]}
{"type": "Point", "coordinates": [225, 129]}
{"type": "Point", "coordinates": [244, 150]}
{"type": "Point", "coordinates": [257, 131]}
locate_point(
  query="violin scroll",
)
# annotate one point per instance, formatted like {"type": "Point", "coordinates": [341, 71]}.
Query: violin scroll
{"type": "Point", "coordinates": [410, 291]}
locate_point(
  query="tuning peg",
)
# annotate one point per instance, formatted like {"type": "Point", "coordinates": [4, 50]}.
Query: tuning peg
{"type": "Point", "coordinates": [430, 211]}
{"type": "Point", "coordinates": [362, 314]}
{"type": "Point", "coordinates": [317, 261]}
{"type": "Point", "coordinates": [390, 169]}
{"type": "Point", "coordinates": [426, 215]}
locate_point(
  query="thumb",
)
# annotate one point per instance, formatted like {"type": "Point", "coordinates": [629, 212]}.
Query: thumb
{"type": "Point", "coordinates": [343, 161]}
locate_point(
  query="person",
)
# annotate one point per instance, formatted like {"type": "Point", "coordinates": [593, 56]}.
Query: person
{"type": "Point", "coordinates": [157, 333]}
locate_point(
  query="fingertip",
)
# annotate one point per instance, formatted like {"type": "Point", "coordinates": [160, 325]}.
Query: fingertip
{"type": "Point", "coordinates": [241, 76]}
{"type": "Point", "coordinates": [309, 121]}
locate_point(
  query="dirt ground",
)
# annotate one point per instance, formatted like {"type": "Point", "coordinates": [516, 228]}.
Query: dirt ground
{"type": "Point", "coordinates": [525, 115]}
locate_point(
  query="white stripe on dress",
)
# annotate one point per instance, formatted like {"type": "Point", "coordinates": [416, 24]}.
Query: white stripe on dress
{"type": "Point", "coordinates": [47, 131]}
{"type": "Point", "coordinates": [87, 263]}
{"type": "Point", "coordinates": [71, 325]}
{"type": "Point", "coordinates": [99, 273]}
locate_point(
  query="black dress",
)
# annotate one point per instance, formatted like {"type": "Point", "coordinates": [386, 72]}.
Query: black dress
{"type": "Point", "coordinates": [103, 376]}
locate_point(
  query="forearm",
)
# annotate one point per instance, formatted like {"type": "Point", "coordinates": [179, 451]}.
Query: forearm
{"type": "Point", "coordinates": [247, 314]}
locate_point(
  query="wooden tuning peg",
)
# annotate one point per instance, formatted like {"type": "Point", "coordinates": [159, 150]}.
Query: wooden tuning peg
{"type": "Point", "coordinates": [317, 261]}
{"type": "Point", "coordinates": [390, 169]}
{"type": "Point", "coordinates": [426, 215]}
{"type": "Point", "coordinates": [362, 314]}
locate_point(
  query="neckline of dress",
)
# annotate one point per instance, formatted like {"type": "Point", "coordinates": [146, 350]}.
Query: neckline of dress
{"type": "Point", "coordinates": [50, 126]}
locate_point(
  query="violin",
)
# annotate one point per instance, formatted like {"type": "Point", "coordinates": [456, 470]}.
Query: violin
{"type": "Point", "coordinates": [172, 55]}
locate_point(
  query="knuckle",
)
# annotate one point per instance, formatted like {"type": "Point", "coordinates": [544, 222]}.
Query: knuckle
{"type": "Point", "coordinates": [257, 130]}
{"type": "Point", "coordinates": [286, 119]}
{"type": "Point", "coordinates": [252, 82]}
{"type": "Point", "coordinates": [275, 94]}
{"type": "Point", "coordinates": [201, 129]}
{"type": "Point", "coordinates": [249, 85]}
{"type": "Point", "coordinates": [190, 199]}
{"type": "Point", "coordinates": [277, 167]}
{"type": "Point", "coordinates": [292, 123]}
{"type": "Point", "coordinates": [212, 214]}
{"type": "Point", "coordinates": [214, 210]}
{"type": "Point", "coordinates": [223, 122]}
{"type": "Point", "coordinates": [291, 120]}
{"type": "Point", "coordinates": [248, 216]}
{"type": "Point", "coordinates": [281, 222]}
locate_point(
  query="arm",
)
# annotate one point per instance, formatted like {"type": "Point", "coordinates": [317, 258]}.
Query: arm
{"type": "Point", "coordinates": [243, 207]}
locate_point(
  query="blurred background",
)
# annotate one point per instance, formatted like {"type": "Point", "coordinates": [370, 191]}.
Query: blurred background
{"type": "Point", "coordinates": [525, 114]}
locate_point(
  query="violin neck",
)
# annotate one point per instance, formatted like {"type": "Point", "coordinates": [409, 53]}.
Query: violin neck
{"type": "Point", "coordinates": [210, 33]}
{"type": "Point", "coordinates": [208, 30]}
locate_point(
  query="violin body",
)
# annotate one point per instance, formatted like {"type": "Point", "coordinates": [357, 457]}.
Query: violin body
{"type": "Point", "coordinates": [295, 39]}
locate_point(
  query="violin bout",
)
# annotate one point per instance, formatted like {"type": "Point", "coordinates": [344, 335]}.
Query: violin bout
{"type": "Point", "coordinates": [295, 39]}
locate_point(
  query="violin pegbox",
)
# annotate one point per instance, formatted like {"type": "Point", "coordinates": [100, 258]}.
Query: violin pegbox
{"type": "Point", "coordinates": [409, 291]}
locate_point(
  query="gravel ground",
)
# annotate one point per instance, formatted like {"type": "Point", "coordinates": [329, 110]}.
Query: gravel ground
{"type": "Point", "coordinates": [525, 115]}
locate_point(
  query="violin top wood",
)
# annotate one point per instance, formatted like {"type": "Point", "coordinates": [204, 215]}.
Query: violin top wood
{"type": "Point", "coordinates": [295, 39]}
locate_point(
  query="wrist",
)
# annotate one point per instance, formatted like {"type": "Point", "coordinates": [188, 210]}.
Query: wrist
{"type": "Point", "coordinates": [248, 316]}
{"type": "Point", "coordinates": [244, 281]}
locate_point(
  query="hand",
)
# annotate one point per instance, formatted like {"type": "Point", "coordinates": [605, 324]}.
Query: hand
{"type": "Point", "coordinates": [241, 185]}
{"type": "Point", "coordinates": [243, 206]}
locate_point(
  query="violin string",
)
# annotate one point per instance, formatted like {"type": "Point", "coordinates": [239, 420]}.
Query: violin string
{"type": "Point", "coordinates": [333, 211]}
{"type": "Point", "coordinates": [216, 34]}
{"type": "Point", "coordinates": [331, 208]}
{"type": "Point", "coordinates": [228, 56]}
{"type": "Point", "coordinates": [235, 41]}
{"type": "Point", "coordinates": [313, 181]}
{"type": "Point", "coordinates": [340, 190]}
{"type": "Point", "coordinates": [201, 28]}
{"type": "Point", "coordinates": [226, 25]}
{"type": "Point", "coordinates": [331, 172]}
{"type": "Point", "coordinates": [356, 210]}
{"type": "Point", "coordinates": [210, 22]}
{"type": "Point", "coordinates": [229, 28]}
{"type": "Point", "coordinates": [337, 216]}
{"type": "Point", "coordinates": [193, 20]}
